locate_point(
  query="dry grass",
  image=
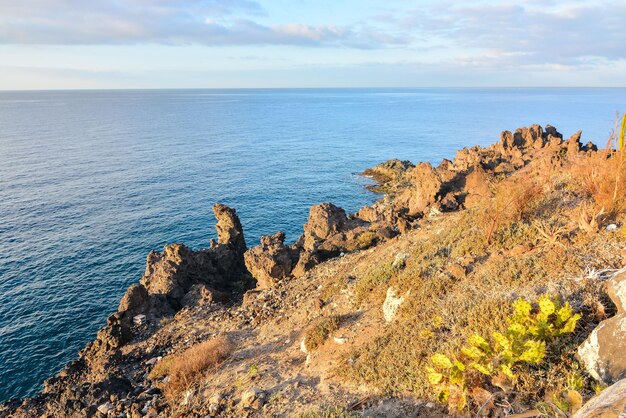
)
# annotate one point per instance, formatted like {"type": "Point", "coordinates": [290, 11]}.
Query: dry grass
{"type": "Point", "coordinates": [316, 335]}
{"type": "Point", "coordinates": [186, 368]}
{"type": "Point", "coordinates": [602, 177]}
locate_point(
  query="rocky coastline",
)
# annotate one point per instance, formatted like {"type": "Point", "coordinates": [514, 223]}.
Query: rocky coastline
{"type": "Point", "coordinates": [265, 298]}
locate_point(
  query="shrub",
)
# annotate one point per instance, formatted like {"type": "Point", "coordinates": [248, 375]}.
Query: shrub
{"type": "Point", "coordinates": [185, 368]}
{"type": "Point", "coordinates": [372, 280]}
{"type": "Point", "coordinates": [330, 412]}
{"type": "Point", "coordinates": [483, 363]}
{"type": "Point", "coordinates": [319, 333]}
{"type": "Point", "coordinates": [602, 177]}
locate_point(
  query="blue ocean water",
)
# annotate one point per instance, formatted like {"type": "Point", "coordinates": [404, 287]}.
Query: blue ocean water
{"type": "Point", "coordinates": [91, 181]}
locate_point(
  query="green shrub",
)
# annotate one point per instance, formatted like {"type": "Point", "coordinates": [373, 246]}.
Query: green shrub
{"type": "Point", "coordinates": [483, 363]}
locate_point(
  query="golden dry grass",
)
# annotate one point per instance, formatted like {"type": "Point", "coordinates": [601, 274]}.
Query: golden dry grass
{"type": "Point", "coordinates": [186, 368]}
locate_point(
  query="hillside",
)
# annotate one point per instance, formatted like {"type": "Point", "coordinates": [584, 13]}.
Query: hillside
{"type": "Point", "coordinates": [359, 316]}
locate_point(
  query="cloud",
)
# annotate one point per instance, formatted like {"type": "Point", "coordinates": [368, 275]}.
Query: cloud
{"type": "Point", "coordinates": [527, 32]}
{"type": "Point", "coordinates": [170, 22]}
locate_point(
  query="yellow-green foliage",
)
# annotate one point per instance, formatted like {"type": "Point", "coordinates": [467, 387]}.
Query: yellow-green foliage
{"type": "Point", "coordinates": [317, 334]}
{"type": "Point", "coordinates": [494, 362]}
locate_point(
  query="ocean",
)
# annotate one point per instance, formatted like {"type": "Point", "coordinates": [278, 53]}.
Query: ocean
{"type": "Point", "coordinates": [91, 181]}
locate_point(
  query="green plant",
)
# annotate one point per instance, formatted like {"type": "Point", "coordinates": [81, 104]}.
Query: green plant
{"type": "Point", "coordinates": [495, 362]}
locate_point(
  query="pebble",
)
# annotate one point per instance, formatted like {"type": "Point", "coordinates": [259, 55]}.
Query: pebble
{"type": "Point", "coordinates": [611, 227]}
{"type": "Point", "coordinates": [105, 408]}
{"type": "Point", "coordinates": [340, 340]}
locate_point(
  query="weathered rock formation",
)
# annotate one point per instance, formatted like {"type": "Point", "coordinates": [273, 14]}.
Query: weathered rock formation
{"type": "Point", "coordinates": [604, 351]}
{"type": "Point", "coordinates": [329, 231]}
{"type": "Point", "coordinates": [270, 261]}
{"type": "Point", "coordinates": [112, 371]}
{"type": "Point", "coordinates": [417, 191]}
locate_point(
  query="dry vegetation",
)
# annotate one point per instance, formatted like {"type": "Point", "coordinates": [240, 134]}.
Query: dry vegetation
{"type": "Point", "coordinates": [542, 231]}
{"type": "Point", "coordinates": [316, 335]}
{"type": "Point", "coordinates": [188, 367]}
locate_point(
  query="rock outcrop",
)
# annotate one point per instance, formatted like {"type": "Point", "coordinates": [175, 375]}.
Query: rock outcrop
{"type": "Point", "coordinates": [604, 351]}
{"type": "Point", "coordinates": [270, 261]}
{"type": "Point", "coordinates": [415, 191]}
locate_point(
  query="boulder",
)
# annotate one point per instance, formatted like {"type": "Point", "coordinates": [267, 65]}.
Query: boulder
{"type": "Point", "coordinates": [324, 221]}
{"type": "Point", "coordinates": [426, 185]}
{"type": "Point", "coordinates": [603, 352]}
{"type": "Point", "coordinates": [476, 186]}
{"type": "Point", "coordinates": [134, 299]}
{"type": "Point", "coordinates": [610, 403]}
{"type": "Point", "coordinates": [388, 171]}
{"type": "Point", "coordinates": [270, 261]}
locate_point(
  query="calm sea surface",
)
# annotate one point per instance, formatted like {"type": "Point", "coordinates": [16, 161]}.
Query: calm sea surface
{"type": "Point", "coordinates": [90, 182]}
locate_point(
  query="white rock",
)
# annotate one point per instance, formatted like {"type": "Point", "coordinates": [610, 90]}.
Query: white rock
{"type": "Point", "coordinates": [391, 305]}
{"type": "Point", "coordinates": [187, 397]}
{"type": "Point", "coordinates": [139, 319]}
{"type": "Point", "coordinates": [340, 340]}
{"type": "Point", "coordinates": [250, 395]}
{"type": "Point", "coordinates": [105, 408]}
{"type": "Point", "coordinates": [303, 347]}
{"type": "Point", "coordinates": [611, 227]}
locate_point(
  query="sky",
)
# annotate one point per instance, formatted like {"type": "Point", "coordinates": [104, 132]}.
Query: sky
{"type": "Point", "coordinates": [102, 44]}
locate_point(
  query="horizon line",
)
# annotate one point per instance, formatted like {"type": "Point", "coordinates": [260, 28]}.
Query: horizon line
{"type": "Point", "coordinates": [306, 88]}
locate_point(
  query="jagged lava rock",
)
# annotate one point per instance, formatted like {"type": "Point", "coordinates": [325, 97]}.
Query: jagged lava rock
{"type": "Point", "coordinates": [271, 260]}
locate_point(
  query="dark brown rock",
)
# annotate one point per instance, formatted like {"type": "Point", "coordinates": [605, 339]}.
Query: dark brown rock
{"type": "Point", "coordinates": [270, 261]}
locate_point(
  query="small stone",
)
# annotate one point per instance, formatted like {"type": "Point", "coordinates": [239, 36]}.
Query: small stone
{"type": "Point", "coordinates": [257, 403]}
{"type": "Point", "coordinates": [105, 408]}
{"type": "Point", "coordinates": [250, 395]}
{"type": "Point", "coordinates": [340, 340]}
{"type": "Point", "coordinates": [153, 360]}
{"type": "Point", "coordinates": [611, 227]}
{"type": "Point", "coordinates": [399, 262]}
{"type": "Point", "coordinates": [139, 319]}
{"type": "Point", "coordinates": [215, 398]}
{"type": "Point", "coordinates": [214, 409]}
{"type": "Point", "coordinates": [303, 347]}
{"type": "Point", "coordinates": [146, 408]}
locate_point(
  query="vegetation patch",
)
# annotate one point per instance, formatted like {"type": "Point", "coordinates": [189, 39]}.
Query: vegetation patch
{"type": "Point", "coordinates": [186, 368]}
{"type": "Point", "coordinates": [319, 333]}
{"type": "Point", "coordinates": [471, 374]}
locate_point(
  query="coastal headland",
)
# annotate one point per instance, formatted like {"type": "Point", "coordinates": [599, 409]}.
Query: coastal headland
{"type": "Point", "coordinates": [356, 317]}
